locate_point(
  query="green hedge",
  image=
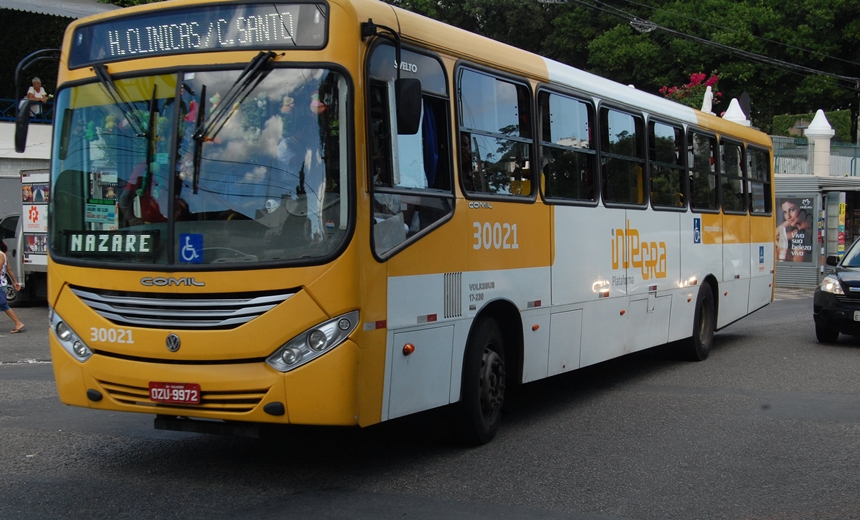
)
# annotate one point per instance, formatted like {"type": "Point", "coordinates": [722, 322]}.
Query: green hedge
{"type": "Point", "coordinates": [840, 120]}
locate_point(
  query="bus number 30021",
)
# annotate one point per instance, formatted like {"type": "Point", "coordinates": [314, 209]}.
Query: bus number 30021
{"type": "Point", "coordinates": [495, 236]}
{"type": "Point", "coordinates": [104, 335]}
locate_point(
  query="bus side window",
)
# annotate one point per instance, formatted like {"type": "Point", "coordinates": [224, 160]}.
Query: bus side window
{"type": "Point", "coordinates": [666, 165]}
{"type": "Point", "coordinates": [567, 149]}
{"type": "Point", "coordinates": [733, 176]}
{"type": "Point", "coordinates": [701, 161]}
{"type": "Point", "coordinates": [495, 136]}
{"type": "Point", "coordinates": [410, 173]}
{"type": "Point", "coordinates": [622, 157]}
{"type": "Point", "coordinates": [758, 168]}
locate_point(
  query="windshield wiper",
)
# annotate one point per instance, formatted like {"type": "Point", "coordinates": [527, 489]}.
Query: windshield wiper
{"type": "Point", "coordinates": [198, 144]}
{"type": "Point", "coordinates": [247, 81]}
{"type": "Point", "coordinates": [150, 132]}
{"type": "Point", "coordinates": [208, 130]}
{"type": "Point", "coordinates": [130, 113]}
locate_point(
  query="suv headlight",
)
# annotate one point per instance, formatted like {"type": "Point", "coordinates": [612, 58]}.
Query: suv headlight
{"type": "Point", "coordinates": [313, 342]}
{"type": "Point", "coordinates": [831, 285]}
{"type": "Point", "coordinates": [67, 338]}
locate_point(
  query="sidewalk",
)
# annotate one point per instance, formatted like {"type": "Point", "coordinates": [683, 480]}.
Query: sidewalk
{"type": "Point", "coordinates": [792, 293]}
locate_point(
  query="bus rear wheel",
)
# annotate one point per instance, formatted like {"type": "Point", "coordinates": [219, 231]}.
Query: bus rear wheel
{"type": "Point", "coordinates": [483, 387]}
{"type": "Point", "coordinates": [704, 322]}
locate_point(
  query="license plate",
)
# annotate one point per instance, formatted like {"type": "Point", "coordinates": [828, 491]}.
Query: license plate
{"type": "Point", "coordinates": [175, 393]}
{"type": "Point", "coordinates": [856, 315]}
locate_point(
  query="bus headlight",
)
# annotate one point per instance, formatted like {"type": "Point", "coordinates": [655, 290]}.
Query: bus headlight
{"type": "Point", "coordinates": [313, 343]}
{"type": "Point", "coordinates": [67, 338]}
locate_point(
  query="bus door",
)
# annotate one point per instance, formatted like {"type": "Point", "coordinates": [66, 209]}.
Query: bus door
{"type": "Point", "coordinates": [411, 182]}
{"type": "Point", "coordinates": [761, 227]}
{"type": "Point", "coordinates": [734, 289]}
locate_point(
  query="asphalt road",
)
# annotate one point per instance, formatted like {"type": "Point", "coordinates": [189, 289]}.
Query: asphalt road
{"type": "Point", "coordinates": [768, 427]}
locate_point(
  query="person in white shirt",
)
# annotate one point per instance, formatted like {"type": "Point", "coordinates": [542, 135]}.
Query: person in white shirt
{"type": "Point", "coordinates": [36, 93]}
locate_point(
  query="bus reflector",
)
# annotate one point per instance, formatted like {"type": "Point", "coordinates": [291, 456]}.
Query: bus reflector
{"type": "Point", "coordinates": [408, 349]}
{"type": "Point", "coordinates": [375, 325]}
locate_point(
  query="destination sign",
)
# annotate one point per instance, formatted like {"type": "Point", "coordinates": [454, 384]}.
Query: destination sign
{"type": "Point", "coordinates": [201, 29]}
{"type": "Point", "coordinates": [112, 243]}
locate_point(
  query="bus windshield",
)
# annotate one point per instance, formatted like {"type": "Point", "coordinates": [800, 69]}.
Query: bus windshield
{"type": "Point", "coordinates": [158, 170]}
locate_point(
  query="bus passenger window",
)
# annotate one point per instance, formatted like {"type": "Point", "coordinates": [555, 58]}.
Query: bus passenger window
{"type": "Point", "coordinates": [758, 167]}
{"type": "Point", "coordinates": [732, 174]}
{"type": "Point", "coordinates": [667, 165]}
{"type": "Point", "coordinates": [703, 175]}
{"type": "Point", "coordinates": [567, 152]}
{"type": "Point", "coordinates": [495, 131]}
{"type": "Point", "coordinates": [622, 157]}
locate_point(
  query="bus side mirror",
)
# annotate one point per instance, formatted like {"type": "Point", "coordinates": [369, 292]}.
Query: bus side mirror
{"type": "Point", "coordinates": [408, 91]}
{"type": "Point", "coordinates": [22, 123]}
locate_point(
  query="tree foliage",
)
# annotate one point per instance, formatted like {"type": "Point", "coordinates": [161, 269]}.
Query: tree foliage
{"type": "Point", "coordinates": [596, 36]}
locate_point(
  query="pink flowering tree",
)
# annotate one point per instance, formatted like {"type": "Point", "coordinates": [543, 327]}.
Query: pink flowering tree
{"type": "Point", "coordinates": [693, 92]}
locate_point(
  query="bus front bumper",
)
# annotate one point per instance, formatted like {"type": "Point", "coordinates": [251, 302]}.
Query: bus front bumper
{"type": "Point", "coordinates": [322, 392]}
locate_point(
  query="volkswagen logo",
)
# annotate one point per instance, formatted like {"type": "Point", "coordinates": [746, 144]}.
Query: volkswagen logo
{"type": "Point", "coordinates": [173, 342]}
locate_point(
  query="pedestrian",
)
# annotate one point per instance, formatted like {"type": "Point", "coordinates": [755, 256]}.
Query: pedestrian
{"type": "Point", "coordinates": [37, 95]}
{"type": "Point", "coordinates": [4, 305]}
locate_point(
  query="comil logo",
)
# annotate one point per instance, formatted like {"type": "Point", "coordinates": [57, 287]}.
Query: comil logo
{"type": "Point", "coordinates": [630, 252]}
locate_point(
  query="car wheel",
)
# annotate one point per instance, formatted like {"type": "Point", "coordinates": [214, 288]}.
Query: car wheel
{"type": "Point", "coordinates": [826, 335]}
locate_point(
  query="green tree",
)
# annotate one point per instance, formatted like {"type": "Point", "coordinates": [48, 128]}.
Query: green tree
{"type": "Point", "coordinates": [817, 34]}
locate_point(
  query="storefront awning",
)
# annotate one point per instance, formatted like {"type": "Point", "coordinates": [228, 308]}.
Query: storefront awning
{"type": "Point", "coordinates": [66, 8]}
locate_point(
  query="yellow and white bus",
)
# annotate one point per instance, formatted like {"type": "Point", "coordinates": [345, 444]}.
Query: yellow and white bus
{"type": "Point", "coordinates": [337, 212]}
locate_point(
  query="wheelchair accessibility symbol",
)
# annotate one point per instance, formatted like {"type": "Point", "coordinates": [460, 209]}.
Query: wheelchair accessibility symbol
{"type": "Point", "coordinates": [191, 248]}
{"type": "Point", "coordinates": [697, 231]}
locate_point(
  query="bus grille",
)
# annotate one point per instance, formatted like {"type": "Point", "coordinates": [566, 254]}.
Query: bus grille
{"type": "Point", "coordinates": [223, 402]}
{"type": "Point", "coordinates": [194, 312]}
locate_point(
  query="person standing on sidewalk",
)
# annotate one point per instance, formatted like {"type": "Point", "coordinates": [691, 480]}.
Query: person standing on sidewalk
{"type": "Point", "coordinates": [4, 305]}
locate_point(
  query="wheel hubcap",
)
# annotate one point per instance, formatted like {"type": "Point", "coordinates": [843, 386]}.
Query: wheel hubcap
{"type": "Point", "coordinates": [492, 382]}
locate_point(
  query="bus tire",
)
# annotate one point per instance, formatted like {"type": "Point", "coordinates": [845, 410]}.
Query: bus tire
{"type": "Point", "coordinates": [483, 384]}
{"type": "Point", "coordinates": [704, 323]}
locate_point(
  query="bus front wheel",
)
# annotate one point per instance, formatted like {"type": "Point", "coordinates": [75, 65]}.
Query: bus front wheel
{"type": "Point", "coordinates": [483, 386]}
{"type": "Point", "coordinates": [704, 322]}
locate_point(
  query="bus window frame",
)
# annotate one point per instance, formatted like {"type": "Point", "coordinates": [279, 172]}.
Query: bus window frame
{"type": "Point", "coordinates": [683, 167]}
{"type": "Point", "coordinates": [640, 122]}
{"type": "Point", "coordinates": [724, 177]}
{"type": "Point", "coordinates": [688, 139]}
{"type": "Point", "coordinates": [768, 183]}
{"type": "Point", "coordinates": [539, 144]}
{"type": "Point", "coordinates": [371, 188]}
{"type": "Point", "coordinates": [351, 164]}
{"type": "Point", "coordinates": [461, 65]}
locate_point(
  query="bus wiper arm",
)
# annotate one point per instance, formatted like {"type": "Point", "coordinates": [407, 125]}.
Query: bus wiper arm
{"type": "Point", "coordinates": [247, 81]}
{"type": "Point", "coordinates": [198, 143]}
{"type": "Point", "coordinates": [110, 87]}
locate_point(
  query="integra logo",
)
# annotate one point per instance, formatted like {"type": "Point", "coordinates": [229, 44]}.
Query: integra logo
{"type": "Point", "coordinates": [169, 282]}
{"type": "Point", "coordinates": [629, 251]}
